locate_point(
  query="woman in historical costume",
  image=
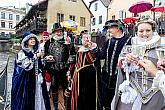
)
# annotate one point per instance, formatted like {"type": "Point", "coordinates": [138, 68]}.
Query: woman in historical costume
{"type": "Point", "coordinates": [28, 88]}
{"type": "Point", "coordinates": [135, 85]}
{"type": "Point", "coordinates": [83, 92]}
{"type": "Point", "coordinates": [131, 27]}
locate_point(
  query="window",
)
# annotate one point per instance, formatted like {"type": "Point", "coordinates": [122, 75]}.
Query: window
{"type": "Point", "coordinates": [136, 15]}
{"type": "Point", "coordinates": [17, 17]}
{"type": "Point", "coordinates": [23, 17]}
{"type": "Point", "coordinates": [10, 25]}
{"type": "Point", "coordinates": [82, 21]}
{"type": "Point", "coordinates": [3, 24]}
{"type": "Point", "coordinates": [2, 15]}
{"type": "Point", "coordinates": [71, 17]}
{"type": "Point", "coordinates": [113, 17]}
{"type": "Point", "coordinates": [60, 17]}
{"type": "Point", "coordinates": [100, 19]}
{"type": "Point", "coordinates": [94, 21]}
{"type": "Point", "coordinates": [122, 14]}
{"type": "Point", "coordinates": [95, 7]}
{"type": "Point", "coordinates": [10, 16]}
{"type": "Point", "coordinates": [3, 33]}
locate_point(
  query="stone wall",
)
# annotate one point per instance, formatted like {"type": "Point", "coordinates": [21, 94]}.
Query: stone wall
{"type": "Point", "coordinates": [4, 46]}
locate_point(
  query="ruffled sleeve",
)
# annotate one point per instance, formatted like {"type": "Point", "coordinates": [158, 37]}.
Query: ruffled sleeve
{"type": "Point", "coordinates": [159, 81]}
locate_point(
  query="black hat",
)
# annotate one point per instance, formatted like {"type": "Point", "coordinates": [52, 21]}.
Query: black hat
{"type": "Point", "coordinates": [111, 23]}
{"type": "Point", "coordinates": [56, 26]}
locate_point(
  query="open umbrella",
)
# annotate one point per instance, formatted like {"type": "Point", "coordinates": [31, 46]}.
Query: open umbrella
{"type": "Point", "coordinates": [70, 25]}
{"type": "Point", "coordinates": [158, 9]}
{"type": "Point", "coordinates": [128, 19]}
{"type": "Point", "coordinates": [140, 6]}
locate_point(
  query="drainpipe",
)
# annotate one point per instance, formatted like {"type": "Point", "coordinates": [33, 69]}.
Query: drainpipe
{"type": "Point", "coordinates": [154, 12]}
{"type": "Point", "coordinates": [107, 13]}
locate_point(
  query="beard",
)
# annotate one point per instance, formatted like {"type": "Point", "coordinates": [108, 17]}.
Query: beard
{"type": "Point", "coordinates": [56, 37]}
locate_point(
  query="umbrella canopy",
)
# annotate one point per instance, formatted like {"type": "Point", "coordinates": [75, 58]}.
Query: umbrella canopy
{"type": "Point", "coordinates": [158, 9]}
{"type": "Point", "coordinates": [140, 6]}
{"type": "Point", "coordinates": [128, 20]}
{"type": "Point", "coordinates": [70, 25]}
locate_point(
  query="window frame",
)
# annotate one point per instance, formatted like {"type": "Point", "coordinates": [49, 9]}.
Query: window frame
{"type": "Point", "coordinates": [82, 22]}
{"type": "Point", "coordinates": [17, 17]}
{"type": "Point", "coordinates": [3, 25]}
{"type": "Point", "coordinates": [10, 25]}
{"type": "Point", "coordinates": [10, 16]}
{"type": "Point", "coordinates": [60, 17]}
{"type": "Point", "coordinates": [100, 19]}
{"type": "Point", "coordinates": [94, 21]}
{"type": "Point", "coordinates": [3, 15]}
{"type": "Point", "coordinates": [72, 17]}
{"type": "Point", "coordinates": [96, 6]}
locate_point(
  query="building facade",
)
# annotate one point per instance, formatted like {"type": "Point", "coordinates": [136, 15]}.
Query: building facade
{"type": "Point", "coordinates": [118, 9]}
{"type": "Point", "coordinates": [61, 10]}
{"type": "Point", "coordinates": [35, 20]}
{"type": "Point", "coordinates": [9, 17]}
{"type": "Point", "coordinates": [99, 8]}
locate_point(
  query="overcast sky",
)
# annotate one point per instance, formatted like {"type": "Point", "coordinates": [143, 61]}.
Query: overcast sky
{"type": "Point", "coordinates": [21, 3]}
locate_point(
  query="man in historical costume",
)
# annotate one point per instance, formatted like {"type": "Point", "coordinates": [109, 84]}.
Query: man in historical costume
{"type": "Point", "coordinates": [137, 88]}
{"type": "Point", "coordinates": [56, 54]}
{"type": "Point", "coordinates": [84, 92]}
{"type": "Point", "coordinates": [43, 39]}
{"type": "Point", "coordinates": [27, 83]}
{"type": "Point", "coordinates": [110, 52]}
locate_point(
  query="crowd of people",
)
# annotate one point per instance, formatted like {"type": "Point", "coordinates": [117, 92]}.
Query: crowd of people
{"type": "Point", "coordinates": [125, 81]}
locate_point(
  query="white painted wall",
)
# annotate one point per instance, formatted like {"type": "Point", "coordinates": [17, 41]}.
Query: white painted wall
{"type": "Point", "coordinates": [101, 11]}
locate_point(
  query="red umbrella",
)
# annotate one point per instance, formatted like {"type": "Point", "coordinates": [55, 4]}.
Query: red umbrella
{"type": "Point", "coordinates": [127, 20]}
{"type": "Point", "coordinates": [141, 6]}
{"type": "Point", "coordinates": [158, 9]}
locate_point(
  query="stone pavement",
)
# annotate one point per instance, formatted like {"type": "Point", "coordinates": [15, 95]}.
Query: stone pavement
{"type": "Point", "coordinates": [3, 61]}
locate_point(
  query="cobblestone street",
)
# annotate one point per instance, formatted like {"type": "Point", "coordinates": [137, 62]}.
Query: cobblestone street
{"type": "Point", "coordinates": [3, 61]}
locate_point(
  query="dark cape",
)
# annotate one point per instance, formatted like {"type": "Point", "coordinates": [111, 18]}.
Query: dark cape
{"type": "Point", "coordinates": [23, 89]}
{"type": "Point", "coordinates": [110, 52]}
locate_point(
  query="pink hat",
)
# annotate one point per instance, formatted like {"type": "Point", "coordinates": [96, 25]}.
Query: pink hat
{"type": "Point", "coordinates": [45, 33]}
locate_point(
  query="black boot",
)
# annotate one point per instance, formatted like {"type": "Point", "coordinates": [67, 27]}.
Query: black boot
{"type": "Point", "coordinates": [55, 100]}
{"type": "Point", "coordinates": [67, 102]}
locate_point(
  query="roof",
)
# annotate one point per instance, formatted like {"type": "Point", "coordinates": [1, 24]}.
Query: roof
{"type": "Point", "coordinates": [33, 10]}
{"type": "Point", "coordinates": [13, 9]}
{"type": "Point", "coordinates": [104, 2]}
{"type": "Point", "coordinates": [87, 8]}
